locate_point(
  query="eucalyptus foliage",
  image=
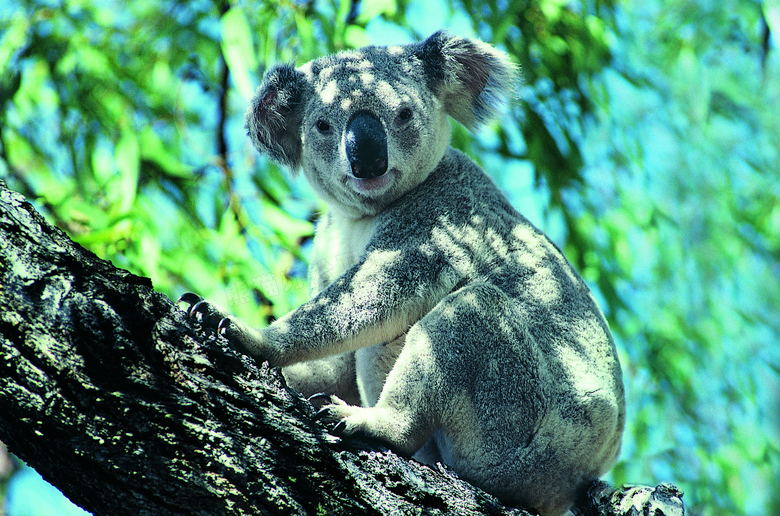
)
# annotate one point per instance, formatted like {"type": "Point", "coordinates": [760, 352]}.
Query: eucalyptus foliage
{"type": "Point", "coordinates": [645, 140]}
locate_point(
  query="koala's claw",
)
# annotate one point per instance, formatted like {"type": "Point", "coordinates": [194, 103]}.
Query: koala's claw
{"type": "Point", "coordinates": [194, 301]}
{"type": "Point", "coordinates": [334, 411]}
{"type": "Point", "coordinates": [189, 298]}
{"type": "Point", "coordinates": [201, 307]}
{"type": "Point", "coordinates": [205, 312]}
{"type": "Point", "coordinates": [327, 413]}
{"type": "Point", "coordinates": [322, 413]}
{"type": "Point", "coordinates": [223, 326]}
{"type": "Point", "coordinates": [320, 396]}
{"type": "Point", "coordinates": [339, 429]}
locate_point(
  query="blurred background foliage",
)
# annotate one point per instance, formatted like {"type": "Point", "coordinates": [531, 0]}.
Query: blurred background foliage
{"type": "Point", "coordinates": [645, 141]}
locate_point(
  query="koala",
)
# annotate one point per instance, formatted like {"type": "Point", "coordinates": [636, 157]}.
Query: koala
{"type": "Point", "coordinates": [441, 321]}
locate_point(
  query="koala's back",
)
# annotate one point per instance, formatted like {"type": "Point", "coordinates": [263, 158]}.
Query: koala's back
{"type": "Point", "coordinates": [530, 384]}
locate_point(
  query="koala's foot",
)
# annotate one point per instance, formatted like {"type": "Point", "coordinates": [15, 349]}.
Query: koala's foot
{"type": "Point", "coordinates": [218, 319]}
{"type": "Point", "coordinates": [385, 425]}
{"type": "Point", "coordinates": [334, 411]}
{"type": "Point", "coordinates": [337, 412]}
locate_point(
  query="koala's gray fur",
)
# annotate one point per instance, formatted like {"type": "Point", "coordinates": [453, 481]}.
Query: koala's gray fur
{"type": "Point", "coordinates": [443, 322]}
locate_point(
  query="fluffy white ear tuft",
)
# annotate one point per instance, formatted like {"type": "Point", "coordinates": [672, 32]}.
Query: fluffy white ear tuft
{"type": "Point", "coordinates": [472, 78]}
{"type": "Point", "coordinates": [273, 119]}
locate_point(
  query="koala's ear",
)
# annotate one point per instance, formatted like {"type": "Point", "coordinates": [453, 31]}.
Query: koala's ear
{"type": "Point", "coordinates": [273, 119]}
{"type": "Point", "coordinates": [470, 77]}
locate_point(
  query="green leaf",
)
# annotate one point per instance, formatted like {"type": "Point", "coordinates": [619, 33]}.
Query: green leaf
{"type": "Point", "coordinates": [772, 17]}
{"type": "Point", "coordinates": [356, 37]}
{"type": "Point", "coordinates": [370, 9]}
{"type": "Point", "coordinates": [288, 228]}
{"type": "Point", "coordinates": [13, 38]}
{"type": "Point", "coordinates": [238, 49]}
{"type": "Point", "coordinates": [128, 161]}
{"type": "Point", "coordinates": [155, 150]}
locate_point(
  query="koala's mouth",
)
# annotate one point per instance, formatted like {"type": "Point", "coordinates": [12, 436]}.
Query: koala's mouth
{"type": "Point", "coordinates": [374, 185]}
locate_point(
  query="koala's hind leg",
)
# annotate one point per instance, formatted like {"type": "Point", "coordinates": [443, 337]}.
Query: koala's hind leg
{"type": "Point", "coordinates": [405, 416]}
{"type": "Point", "coordinates": [407, 412]}
{"type": "Point", "coordinates": [427, 384]}
{"type": "Point", "coordinates": [472, 377]}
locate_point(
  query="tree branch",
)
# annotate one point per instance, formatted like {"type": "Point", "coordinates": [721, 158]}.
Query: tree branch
{"type": "Point", "coordinates": [128, 407]}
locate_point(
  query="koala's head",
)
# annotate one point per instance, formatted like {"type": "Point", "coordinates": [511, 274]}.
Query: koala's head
{"type": "Point", "coordinates": [368, 125]}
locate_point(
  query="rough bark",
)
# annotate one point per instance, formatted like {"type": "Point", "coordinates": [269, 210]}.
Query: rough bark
{"type": "Point", "coordinates": [130, 408]}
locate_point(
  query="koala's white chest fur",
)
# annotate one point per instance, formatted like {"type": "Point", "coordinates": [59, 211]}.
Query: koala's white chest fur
{"type": "Point", "coordinates": [339, 242]}
{"type": "Point", "coordinates": [338, 245]}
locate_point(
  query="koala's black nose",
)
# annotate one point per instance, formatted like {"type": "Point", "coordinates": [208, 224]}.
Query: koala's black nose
{"type": "Point", "coordinates": [366, 143]}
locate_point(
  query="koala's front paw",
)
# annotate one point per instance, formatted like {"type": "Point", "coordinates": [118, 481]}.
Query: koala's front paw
{"type": "Point", "coordinates": [237, 333]}
{"type": "Point", "coordinates": [208, 314]}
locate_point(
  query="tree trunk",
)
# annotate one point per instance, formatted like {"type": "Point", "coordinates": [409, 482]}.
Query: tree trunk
{"type": "Point", "coordinates": [115, 397]}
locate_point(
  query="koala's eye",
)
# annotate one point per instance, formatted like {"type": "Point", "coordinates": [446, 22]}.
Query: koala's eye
{"type": "Point", "coordinates": [405, 114]}
{"type": "Point", "coordinates": [322, 126]}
